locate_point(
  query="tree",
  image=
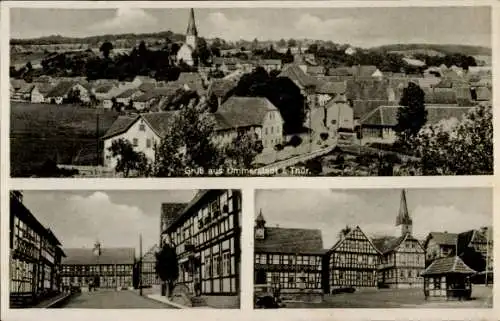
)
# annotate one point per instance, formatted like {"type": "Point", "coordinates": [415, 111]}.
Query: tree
{"type": "Point", "coordinates": [106, 49]}
{"type": "Point", "coordinates": [292, 43]}
{"type": "Point", "coordinates": [281, 92]}
{"type": "Point", "coordinates": [127, 159]}
{"type": "Point", "coordinates": [343, 232]}
{"type": "Point", "coordinates": [167, 266]}
{"type": "Point", "coordinates": [412, 114]}
{"type": "Point", "coordinates": [243, 150]}
{"type": "Point", "coordinates": [458, 147]}
{"type": "Point", "coordinates": [187, 144]}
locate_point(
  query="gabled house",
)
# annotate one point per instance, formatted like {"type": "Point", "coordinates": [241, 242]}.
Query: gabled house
{"type": "Point", "coordinates": [62, 90]}
{"type": "Point", "coordinates": [256, 115]}
{"type": "Point", "coordinates": [378, 125]}
{"type": "Point", "coordinates": [39, 92]}
{"type": "Point", "coordinates": [192, 81]}
{"type": "Point", "coordinates": [306, 83]}
{"type": "Point", "coordinates": [403, 257]}
{"type": "Point", "coordinates": [126, 96]}
{"type": "Point", "coordinates": [328, 90]}
{"type": "Point", "coordinates": [438, 245]}
{"type": "Point", "coordinates": [144, 131]}
{"type": "Point", "coordinates": [353, 261]}
{"type": "Point", "coordinates": [270, 64]}
{"type": "Point", "coordinates": [282, 262]}
{"type": "Point", "coordinates": [220, 90]}
{"type": "Point", "coordinates": [475, 248]}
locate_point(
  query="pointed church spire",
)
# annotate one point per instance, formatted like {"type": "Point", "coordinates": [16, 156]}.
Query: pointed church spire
{"type": "Point", "coordinates": [403, 216]}
{"type": "Point", "coordinates": [260, 221]}
{"type": "Point", "coordinates": [191, 29]}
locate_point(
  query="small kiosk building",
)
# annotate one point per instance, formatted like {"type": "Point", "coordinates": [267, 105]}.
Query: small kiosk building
{"type": "Point", "coordinates": [449, 278]}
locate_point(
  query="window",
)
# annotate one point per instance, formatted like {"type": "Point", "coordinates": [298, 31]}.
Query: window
{"type": "Point", "coordinates": [142, 127]}
{"type": "Point", "coordinates": [135, 142]}
{"type": "Point", "coordinates": [148, 143]}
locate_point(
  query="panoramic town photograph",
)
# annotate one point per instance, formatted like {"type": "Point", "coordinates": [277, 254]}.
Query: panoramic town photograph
{"type": "Point", "coordinates": [173, 92]}
{"type": "Point", "coordinates": [170, 249]}
{"type": "Point", "coordinates": [377, 248]}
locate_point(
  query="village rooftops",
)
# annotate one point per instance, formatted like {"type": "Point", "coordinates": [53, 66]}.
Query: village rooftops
{"type": "Point", "coordinates": [240, 112]}
{"type": "Point", "coordinates": [448, 265]}
{"type": "Point", "coordinates": [159, 122]}
{"type": "Point", "coordinates": [387, 116]}
{"type": "Point", "coordinates": [107, 256]}
{"type": "Point", "coordinates": [331, 88]}
{"type": "Point", "coordinates": [128, 93]}
{"type": "Point", "coordinates": [18, 209]}
{"type": "Point", "coordinates": [388, 244]}
{"type": "Point", "coordinates": [351, 231]}
{"type": "Point", "coordinates": [221, 87]}
{"type": "Point", "coordinates": [291, 240]}
{"type": "Point", "coordinates": [177, 215]}
{"type": "Point", "coordinates": [466, 239]}
{"type": "Point", "coordinates": [298, 76]}
{"type": "Point", "coordinates": [61, 89]}
{"type": "Point", "coordinates": [442, 238]}
{"type": "Point", "coordinates": [414, 62]}
{"type": "Point", "coordinates": [104, 88]}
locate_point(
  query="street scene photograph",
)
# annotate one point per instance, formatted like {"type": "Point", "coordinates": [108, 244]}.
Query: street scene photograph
{"type": "Point", "coordinates": [174, 92]}
{"type": "Point", "coordinates": [141, 249]}
{"type": "Point", "coordinates": [374, 248]}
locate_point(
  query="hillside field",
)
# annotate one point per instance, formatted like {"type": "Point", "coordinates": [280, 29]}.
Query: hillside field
{"type": "Point", "coordinates": [64, 133]}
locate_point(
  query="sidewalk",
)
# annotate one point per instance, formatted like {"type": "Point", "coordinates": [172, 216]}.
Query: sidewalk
{"type": "Point", "coordinates": [53, 302]}
{"type": "Point", "coordinates": [163, 299]}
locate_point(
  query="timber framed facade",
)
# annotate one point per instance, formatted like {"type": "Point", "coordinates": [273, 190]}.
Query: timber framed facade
{"type": "Point", "coordinates": [206, 237]}
{"type": "Point", "coordinates": [35, 256]}
{"type": "Point", "coordinates": [353, 261]}
{"type": "Point", "coordinates": [99, 267]}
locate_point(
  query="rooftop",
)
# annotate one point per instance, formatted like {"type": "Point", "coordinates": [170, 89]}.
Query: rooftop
{"type": "Point", "coordinates": [108, 256]}
{"type": "Point", "coordinates": [448, 265]}
{"type": "Point", "coordinates": [290, 240]}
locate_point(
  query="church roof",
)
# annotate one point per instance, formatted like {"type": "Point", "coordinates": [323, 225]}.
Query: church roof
{"type": "Point", "coordinates": [191, 29]}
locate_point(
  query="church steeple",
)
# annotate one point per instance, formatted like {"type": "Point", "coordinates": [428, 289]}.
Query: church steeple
{"type": "Point", "coordinates": [191, 29]}
{"type": "Point", "coordinates": [192, 32]}
{"type": "Point", "coordinates": [260, 226]}
{"type": "Point", "coordinates": [403, 217]}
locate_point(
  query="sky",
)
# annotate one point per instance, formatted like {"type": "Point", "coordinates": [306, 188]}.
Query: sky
{"type": "Point", "coordinates": [375, 211]}
{"type": "Point", "coordinates": [115, 218]}
{"type": "Point", "coordinates": [363, 27]}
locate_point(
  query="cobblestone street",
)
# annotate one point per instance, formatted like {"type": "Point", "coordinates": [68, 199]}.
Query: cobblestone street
{"type": "Point", "coordinates": [482, 297]}
{"type": "Point", "coordinates": [109, 299]}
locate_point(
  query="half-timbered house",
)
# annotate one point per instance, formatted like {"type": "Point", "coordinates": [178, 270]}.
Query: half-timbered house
{"type": "Point", "coordinates": [149, 277]}
{"type": "Point", "coordinates": [206, 237]}
{"type": "Point", "coordinates": [98, 267]}
{"type": "Point", "coordinates": [403, 257]}
{"type": "Point", "coordinates": [353, 261]}
{"type": "Point", "coordinates": [35, 256]}
{"type": "Point", "coordinates": [290, 259]}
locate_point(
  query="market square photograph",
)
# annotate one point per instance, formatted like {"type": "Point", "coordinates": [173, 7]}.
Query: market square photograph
{"type": "Point", "coordinates": [137, 249]}
{"type": "Point", "coordinates": [174, 92]}
{"type": "Point", "coordinates": [377, 248]}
